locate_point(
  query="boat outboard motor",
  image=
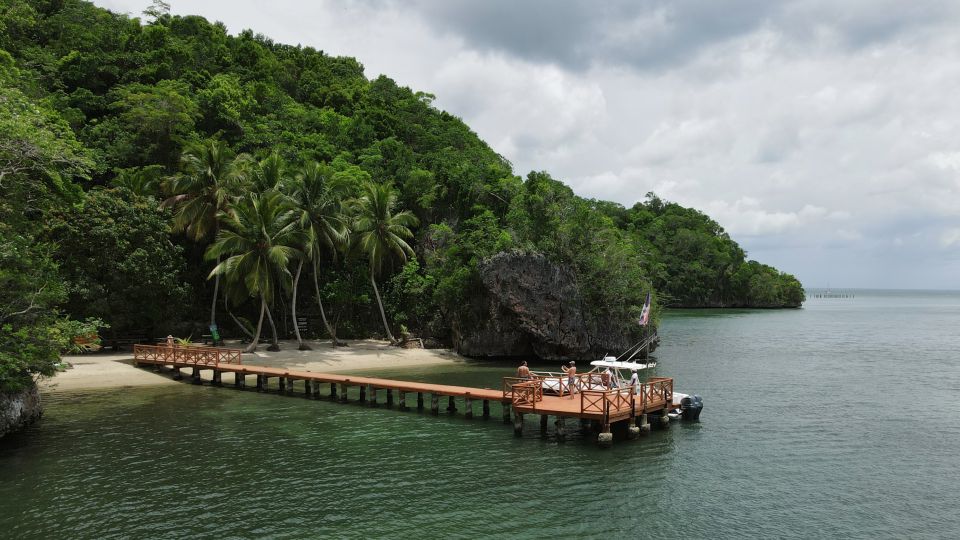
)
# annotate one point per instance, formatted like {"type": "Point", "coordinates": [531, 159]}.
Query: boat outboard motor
{"type": "Point", "coordinates": [690, 408]}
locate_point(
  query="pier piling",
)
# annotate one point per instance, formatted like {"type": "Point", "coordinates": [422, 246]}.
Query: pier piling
{"type": "Point", "coordinates": [518, 424]}
{"type": "Point", "coordinates": [643, 424]}
{"type": "Point", "coordinates": [402, 396]}
{"type": "Point", "coordinates": [451, 405]}
{"type": "Point", "coordinates": [506, 413]}
{"type": "Point", "coordinates": [605, 438]}
{"type": "Point", "coordinates": [419, 401]}
{"type": "Point", "coordinates": [389, 397]}
{"type": "Point", "coordinates": [435, 404]}
{"type": "Point", "coordinates": [468, 406]}
{"type": "Point", "coordinates": [486, 408]}
{"type": "Point", "coordinates": [561, 426]}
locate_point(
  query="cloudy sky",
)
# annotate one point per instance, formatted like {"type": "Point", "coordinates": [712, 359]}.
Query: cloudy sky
{"type": "Point", "coordinates": [822, 135]}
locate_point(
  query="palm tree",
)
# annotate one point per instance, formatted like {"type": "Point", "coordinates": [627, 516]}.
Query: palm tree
{"type": "Point", "coordinates": [259, 239]}
{"type": "Point", "coordinates": [381, 234]}
{"type": "Point", "coordinates": [322, 221]}
{"type": "Point", "coordinates": [271, 173]}
{"type": "Point", "coordinates": [211, 178]}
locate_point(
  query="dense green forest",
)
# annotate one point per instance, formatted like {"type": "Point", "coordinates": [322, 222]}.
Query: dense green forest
{"type": "Point", "coordinates": [157, 174]}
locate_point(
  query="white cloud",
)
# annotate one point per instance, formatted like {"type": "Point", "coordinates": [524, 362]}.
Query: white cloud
{"type": "Point", "coordinates": [950, 238]}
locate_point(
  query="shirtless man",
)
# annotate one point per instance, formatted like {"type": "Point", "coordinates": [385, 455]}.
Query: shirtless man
{"type": "Point", "coordinates": [571, 377]}
{"type": "Point", "coordinates": [523, 372]}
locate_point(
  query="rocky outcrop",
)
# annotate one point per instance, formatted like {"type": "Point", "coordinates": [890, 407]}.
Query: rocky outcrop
{"type": "Point", "coordinates": [530, 306]}
{"type": "Point", "coordinates": [19, 409]}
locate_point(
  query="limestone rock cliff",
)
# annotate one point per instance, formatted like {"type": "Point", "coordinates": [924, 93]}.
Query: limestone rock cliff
{"type": "Point", "coordinates": [530, 306]}
{"type": "Point", "coordinates": [19, 409]}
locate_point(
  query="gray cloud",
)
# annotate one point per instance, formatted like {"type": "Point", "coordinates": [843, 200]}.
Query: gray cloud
{"type": "Point", "coordinates": [660, 34]}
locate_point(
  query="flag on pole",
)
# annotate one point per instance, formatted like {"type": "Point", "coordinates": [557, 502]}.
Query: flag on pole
{"type": "Point", "coordinates": [645, 312]}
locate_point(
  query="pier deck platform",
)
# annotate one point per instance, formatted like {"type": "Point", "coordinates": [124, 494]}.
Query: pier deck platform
{"type": "Point", "coordinates": [590, 402]}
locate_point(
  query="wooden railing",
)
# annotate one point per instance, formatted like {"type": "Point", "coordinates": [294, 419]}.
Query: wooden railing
{"type": "Point", "coordinates": [186, 354]}
{"type": "Point", "coordinates": [523, 392]}
{"type": "Point", "coordinates": [607, 401]}
{"type": "Point", "coordinates": [560, 382]}
{"type": "Point", "coordinates": [657, 388]}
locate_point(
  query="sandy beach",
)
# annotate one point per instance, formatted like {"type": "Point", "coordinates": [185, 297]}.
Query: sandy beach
{"type": "Point", "coordinates": [113, 369]}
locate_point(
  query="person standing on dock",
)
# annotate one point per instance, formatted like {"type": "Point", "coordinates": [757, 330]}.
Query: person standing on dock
{"type": "Point", "coordinates": [635, 381]}
{"type": "Point", "coordinates": [571, 377]}
{"type": "Point", "coordinates": [523, 372]}
{"type": "Point", "coordinates": [170, 341]}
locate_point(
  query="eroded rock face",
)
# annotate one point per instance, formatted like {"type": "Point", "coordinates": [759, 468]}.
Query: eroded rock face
{"type": "Point", "coordinates": [530, 306]}
{"type": "Point", "coordinates": [19, 409]}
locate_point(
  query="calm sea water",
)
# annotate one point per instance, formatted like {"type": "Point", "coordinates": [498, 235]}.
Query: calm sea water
{"type": "Point", "coordinates": [841, 419]}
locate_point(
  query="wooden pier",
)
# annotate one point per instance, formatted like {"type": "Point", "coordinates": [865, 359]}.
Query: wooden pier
{"type": "Point", "coordinates": [593, 405]}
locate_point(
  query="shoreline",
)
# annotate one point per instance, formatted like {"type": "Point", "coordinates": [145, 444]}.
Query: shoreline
{"type": "Point", "coordinates": [116, 369]}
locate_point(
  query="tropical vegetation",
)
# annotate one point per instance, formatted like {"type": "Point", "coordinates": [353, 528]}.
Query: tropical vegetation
{"type": "Point", "coordinates": [157, 173]}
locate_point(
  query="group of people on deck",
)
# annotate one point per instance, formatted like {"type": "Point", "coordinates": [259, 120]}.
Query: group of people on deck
{"type": "Point", "coordinates": [570, 370]}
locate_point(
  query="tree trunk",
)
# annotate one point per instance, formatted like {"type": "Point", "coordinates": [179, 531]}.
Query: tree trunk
{"type": "Point", "coordinates": [213, 305]}
{"type": "Point", "coordinates": [383, 315]}
{"type": "Point", "coordinates": [256, 337]}
{"type": "Point", "coordinates": [275, 346]}
{"type": "Point", "coordinates": [293, 308]}
{"type": "Point", "coordinates": [323, 314]}
{"type": "Point", "coordinates": [240, 324]}
{"type": "Point", "coordinates": [236, 321]}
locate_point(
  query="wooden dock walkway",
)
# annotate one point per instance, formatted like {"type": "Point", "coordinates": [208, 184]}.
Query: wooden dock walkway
{"type": "Point", "coordinates": [592, 404]}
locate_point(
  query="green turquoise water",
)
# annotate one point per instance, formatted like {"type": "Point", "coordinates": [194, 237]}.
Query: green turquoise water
{"type": "Point", "coordinates": [841, 419]}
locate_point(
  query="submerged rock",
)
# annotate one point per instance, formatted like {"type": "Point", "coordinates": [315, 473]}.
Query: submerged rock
{"type": "Point", "coordinates": [19, 409]}
{"type": "Point", "coordinates": [530, 306]}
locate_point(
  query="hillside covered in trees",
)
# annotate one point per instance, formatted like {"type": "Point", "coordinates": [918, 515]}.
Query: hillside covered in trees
{"type": "Point", "coordinates": [157, 173]}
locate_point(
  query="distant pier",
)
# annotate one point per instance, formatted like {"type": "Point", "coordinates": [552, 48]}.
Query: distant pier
{"type": "Point", "coordinates": [597, 408]}
{"type": "Point", "coordinates": [830, 294]}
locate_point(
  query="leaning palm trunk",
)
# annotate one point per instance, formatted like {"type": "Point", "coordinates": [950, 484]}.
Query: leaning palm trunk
{"type": "Point", "coordinates": [323, 314]}
{"type": "Point", "coordinates": [213, 305]}
{"type": "Point", "coordinates": [256, 337]}
{"type": "Point", "coordinates": [275, 346]}
{"type": "Point", "coordinates": [243, 327]}
{"type": "Point", "coordinates": [293, 308]}
{"type": "Point", "coordinates": [383, 315]}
